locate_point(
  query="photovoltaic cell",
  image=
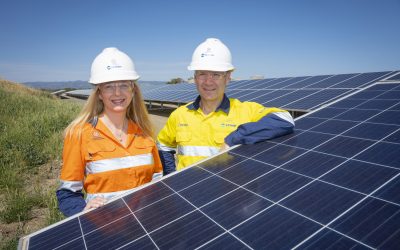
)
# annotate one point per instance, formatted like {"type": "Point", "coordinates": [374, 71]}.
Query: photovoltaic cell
{"type": "Point", "coordinates": [333, 183]}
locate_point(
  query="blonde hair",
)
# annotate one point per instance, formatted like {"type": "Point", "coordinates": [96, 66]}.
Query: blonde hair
{"type": "Point", "coordinates": [136, 111]}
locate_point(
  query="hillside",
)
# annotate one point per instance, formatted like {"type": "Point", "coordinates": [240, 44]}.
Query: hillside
{"type": "Point", "coordinates": [31, 128]}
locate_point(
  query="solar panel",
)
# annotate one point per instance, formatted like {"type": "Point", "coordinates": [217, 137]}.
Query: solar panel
{"type": "Point", "coordinates": [333, 183]}
{"type": "Point", "coordinates": [325, 88]}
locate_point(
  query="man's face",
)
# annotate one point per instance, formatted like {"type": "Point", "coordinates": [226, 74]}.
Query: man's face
{"type": "Point", "coordinates": [211, 84]}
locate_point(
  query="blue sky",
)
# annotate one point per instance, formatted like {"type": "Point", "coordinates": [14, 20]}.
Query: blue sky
{"type": "Point", "coordinates": [56, 40]}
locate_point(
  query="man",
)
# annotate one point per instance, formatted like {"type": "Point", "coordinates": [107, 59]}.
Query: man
{"type": "Point", "coordinates": [213, 122]}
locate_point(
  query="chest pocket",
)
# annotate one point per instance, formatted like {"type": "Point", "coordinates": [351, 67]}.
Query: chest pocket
{"type": "Point", "coordinates": [219, 138]}
{"type": "Point", "coordinates": [182, 137]}
{"type": "Point", "coordinates": [142, 142]}
{"type": "Point", "coordinates": [96, 151]}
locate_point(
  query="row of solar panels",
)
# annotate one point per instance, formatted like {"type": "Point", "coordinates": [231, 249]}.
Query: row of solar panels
{"type": "Point", "coordinates": [293, 93]}
{"type": "Point", "coordinates": [332, 184]}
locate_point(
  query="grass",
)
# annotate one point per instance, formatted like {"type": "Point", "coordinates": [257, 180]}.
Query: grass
{"type": "Point", "coordinates": [31, 126]}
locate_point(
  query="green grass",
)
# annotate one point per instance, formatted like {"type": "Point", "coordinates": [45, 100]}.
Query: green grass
{"type": "Point", "coordinates": [31, 126]}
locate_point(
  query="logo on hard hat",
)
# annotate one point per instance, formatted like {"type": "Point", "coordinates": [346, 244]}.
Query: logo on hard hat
{"type": "Point", "coordinates": [113, 67]}
{"type": "Point", "coordinates": [207, 53]}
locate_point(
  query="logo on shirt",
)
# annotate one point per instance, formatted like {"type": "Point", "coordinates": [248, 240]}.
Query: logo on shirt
{"type": "Point", "coordinates": [224, 125]}
{"type": "Point", "coordinates": [183, 125]}
{"type": "Point", "coordinates": [96, 135]}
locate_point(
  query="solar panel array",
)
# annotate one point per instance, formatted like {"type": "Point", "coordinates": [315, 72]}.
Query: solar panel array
{"type": "Point", "coordinates": [294, 93]}
{"type": "Point", "coordinates": [334, 183]}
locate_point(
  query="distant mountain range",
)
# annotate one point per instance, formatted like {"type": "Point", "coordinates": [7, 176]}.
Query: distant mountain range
{"type": "Point", "coordinates": [77, 84]}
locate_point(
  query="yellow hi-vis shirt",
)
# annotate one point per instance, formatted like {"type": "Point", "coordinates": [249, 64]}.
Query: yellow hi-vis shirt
{"type": "Point", "coordinates": [195, 136]}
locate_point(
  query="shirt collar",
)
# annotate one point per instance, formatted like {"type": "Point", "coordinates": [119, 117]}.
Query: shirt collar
{"type": "Point", "coordinates": [223, 106]}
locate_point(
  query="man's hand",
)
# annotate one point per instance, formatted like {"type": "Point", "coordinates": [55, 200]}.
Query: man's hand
{"type": "Point", "coordinates": [95, 203]}
{"type": "Point", "coordinates": [224, 147]}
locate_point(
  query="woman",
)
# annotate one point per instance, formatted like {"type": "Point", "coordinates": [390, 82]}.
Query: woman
{"type": "Point", "coordinates": [109, 147]}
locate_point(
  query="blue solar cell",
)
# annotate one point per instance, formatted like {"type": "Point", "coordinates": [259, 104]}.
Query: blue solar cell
{"type": "Point", "coordinates": [315, 100]}
{"type": "Point", "coordinates": [289, 82]}
{"type": "Point", "coordinates": [367, 94]}
{"type": "Point", "coordinates": [331, 81]}
{"type": "Point", "coordinates": [245, 171]}
{"type": "Point", "coordinates": [372, 226]}
{"type": "Point", "coordinates": [115, 234]}
{"type": "Point", "coordinates": [275, 228]}
{"type": "Point", "coordinates": [394, 77]}
{"type": "Point", "coordinates": [384, 153]}
{"type": "Point", "coordinates": [59, 235]}
{"type": "Point", "coordinates": [378, 104]}
{"type": "Point", "coordinates": [371, 131]}
{"type": "Point", "coordinates": [290, 97]}
{"type": "Point", "coordinates": [186, 178]}
{"type": "Point", "coordinates": [235, 207]}
{"type": "Point", "coordinates": [388, 117]}
{"type": "Point", "coordinates": [347, 103]}
{"type": "Point", "coordinates": [362, 80]}
{"type": "Point", "coordinates": [390, 191]}
{"type": "Point", "coordinates": [313, 164]}
{"type": "Point", "coordinates": [394, 95]}
{"type": "Point", "coordinates": [395, 137]}
{"type": "Point", "coordinates": [265, 96]}
{"type": "Point", "coordinates": [147, 196]}
{"type": "Point", "coordinates": [222, 162]}
{"type": "Point", "coordinates": [344, 146]}
{"type": "Point", "coordinates": [327, 112]}
{"type": "Point", "coordinates": [104, 215]}
{"type": "Point", "coordinates": [308, 82]}
{"type": "Point", "coordinates": [385, 87]}
{"type": "Point", "coordinates": [225, 241]}
{"type": "Point", "coordinates": [172, 207]}
{"type": "Point", "coordinates": [277, 184]}
{"type": "Point", "coordinates": [395, 107]}
{"type": "Point", "coordinates": [251, 150]}
{"type": "Point", "coordinates": [308, 140]}
{"type": "Point", "coordinates": [357, 114]}
{"type": "Point", "coordinates": [317, 200]}
{"type": "Point", "coordinates": [188, 232]}
{"type": "Point", "coordinates": [278, 155]}
{"type": "Point", "coordinates": [360, 176]}
{"type": "Point", "coordinates": [142, 243]}
{"type": "Point", "coordinates": [308, 122]}
{"type": "Point", "coordinates": [207, 190]}
{"type": "Point", "coordinates": [334, 126]}
{"type": "Point", "coordinates": [271, 84]}
{"type": "Point", "coordinates": [328, 239]}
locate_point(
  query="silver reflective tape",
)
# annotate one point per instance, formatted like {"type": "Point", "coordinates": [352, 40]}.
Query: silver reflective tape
{"type": "Point", "coordinates": [198, 150]}
{"type": "Point", "coordinates": [163, 147]}
{"type": "Point", "coordinates": [157, 176]}
{"type": "Point", "coordinates": [285, 116]}
{"type": "Point", "coordinates": [71, 185]}
{"type": "Point", "coordinates": [95, 167]}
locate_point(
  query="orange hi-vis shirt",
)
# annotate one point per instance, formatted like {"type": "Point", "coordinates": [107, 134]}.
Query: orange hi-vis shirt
{"type": "Point", "coordinates": [102, 166]}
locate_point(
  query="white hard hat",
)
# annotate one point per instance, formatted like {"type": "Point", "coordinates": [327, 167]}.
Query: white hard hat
{"type": "Point", "coordinates": [112, 65]}
{"type": "Point", "coordinates": [211, 55]}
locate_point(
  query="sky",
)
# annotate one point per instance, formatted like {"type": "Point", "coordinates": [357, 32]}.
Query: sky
{"type": "Point", "coordinates": [57, 40]}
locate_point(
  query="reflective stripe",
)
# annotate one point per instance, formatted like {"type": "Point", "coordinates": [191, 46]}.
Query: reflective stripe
{"type": "Point", "coordinates": [157, 176]}
{"type": "Point", "coordinates": [164, 147]}
{"type": "Point", "coordinates": [284, 116]}
{"type": "Point", "coordinates": [71, 185]}
{"type": "Point", "coordinates": [107, 196]}
{"type": "Point", "coordinates": [95, 167]}
{"type": "Point", "coordinates": [197, 150]}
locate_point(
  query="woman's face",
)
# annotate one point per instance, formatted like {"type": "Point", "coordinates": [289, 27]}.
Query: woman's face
{"type": "Point", "coordinates": [116, 95]}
